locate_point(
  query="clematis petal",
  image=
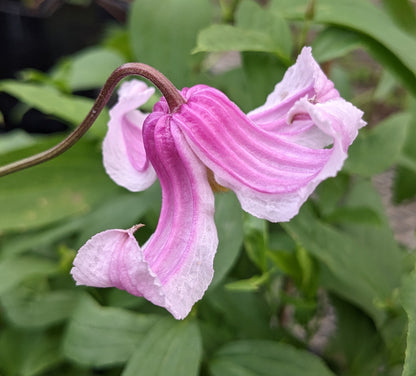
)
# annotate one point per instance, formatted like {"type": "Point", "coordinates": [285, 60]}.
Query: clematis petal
{"type": "Point", "coordinates": [175, 266]}
{"type": "Point", "coordinates": [114, 259]}
{"type": "Point", "coordinates": [124, 156]}
{"type": "Point", "coordinates": [271, 176]}
{"type": "Point", "coordinates": [303, 79]}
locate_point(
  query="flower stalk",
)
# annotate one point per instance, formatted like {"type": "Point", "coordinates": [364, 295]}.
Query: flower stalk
{"type": "Point", "coordinates": [168, 90]}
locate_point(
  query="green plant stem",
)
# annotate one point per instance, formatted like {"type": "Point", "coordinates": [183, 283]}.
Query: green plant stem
{"type": "Point", "coordinates": [171, 94]}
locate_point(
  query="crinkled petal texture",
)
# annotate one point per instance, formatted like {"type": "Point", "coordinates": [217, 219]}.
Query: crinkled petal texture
{"type": "Point", "coordinates": [174, 268]}
{"type": "Point", "coordinates": [124, 157]}
{"type": "Point", "coordinates": [303, 79]}
{"type": "Point", "coordinates": [272, 172]}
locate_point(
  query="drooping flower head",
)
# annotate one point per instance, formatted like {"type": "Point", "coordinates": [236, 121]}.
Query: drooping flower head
{"type": "Point", "coordinates": [272, 158]}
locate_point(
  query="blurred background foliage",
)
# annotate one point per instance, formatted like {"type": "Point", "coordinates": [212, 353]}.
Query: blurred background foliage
{"type": "Point", "coordinates": [329, 293]}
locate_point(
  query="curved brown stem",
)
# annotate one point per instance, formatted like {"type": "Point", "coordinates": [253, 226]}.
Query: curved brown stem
{"type": "Point", "coordinates": [171, 94]}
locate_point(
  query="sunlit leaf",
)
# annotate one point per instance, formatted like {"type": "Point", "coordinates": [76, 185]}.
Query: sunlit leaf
{"type": "Point", "coordinates": [47, 99]}
{"type": "Point", "coordinates": [164, 35]}
{"type": "Point", "coordinates": [91, 68]}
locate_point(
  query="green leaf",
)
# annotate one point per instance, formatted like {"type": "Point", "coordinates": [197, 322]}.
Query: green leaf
{"type": "Point", "coordinates": [379, 148]}
{"type": "Point", "coordinates": [47, 99]}
{"type": "Point", "coordinates": [171, 348]}
{"type": "Point", "coordinates": [408, 299]}
{"type": "Point", "coordinates": [250, 284]}
{"type": "Point", "coordinates": [361, 264]}
{"type": "Point", "coordinates": [347, 214]}
{"type": "Point", "coordinates": [91, 67]}
{"type": "Point", "coordinates": [217, 38]}
{"type": "Point", "coordinates": [403, 13]}
{"type": "Point", "coordinates": [66, 186]}
{"type": "Point", "coordinates": [27, 308]}
{"type": "Point", "coordinates": [266, 358]}
{"type": "Point", "coordinates": [331, 191]}
{"type": "Point", "coordinates": [164, 35]}
{"type": "Point", "coordinates": [369, 20]}
{"type": "Point", "coordinates": [256, 240]}
{"type": "Point", "coordinates": [24, 353]}
{"type": "Point", "coordinates": [229, 221]}
{"type": "Point", "coordinates": [252, 16]}
{"type": "Point", "coordinates": [245, 313]}
{"type": "Point", "coordinates": [334, 42]}
{"type": "Point", "coordinates": [405, 178]}
{"type": "Point", "coordinates": [388, 44]}
{"type": "Point", "coordinates": [122, 211]}
{"type": "Point", "coordinates": [256, 29]}
{"type": "Point", "coordinates": [358, 358]}
{"type": "Point", "coordinates": [262, 71]}
{"type": "Point", "coordinates": [15, 140]}
{"type": "Point", "coordinates": [102, 336]}
{"type": "Point", "coordinates": [13, 271]}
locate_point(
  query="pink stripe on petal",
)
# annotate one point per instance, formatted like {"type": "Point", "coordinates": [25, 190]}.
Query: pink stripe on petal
{"type": "Point", "coordinates": [271, 175]}
{"type": "Point", "coordinates": [175, 266]}
{"type": "Point", "coordinates": [182, 249]}
{"type": "Point", "coordinates": [124, 156]}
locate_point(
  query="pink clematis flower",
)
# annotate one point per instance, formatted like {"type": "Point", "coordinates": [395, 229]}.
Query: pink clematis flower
{"type": "Point", "coordinates": [272, 158]}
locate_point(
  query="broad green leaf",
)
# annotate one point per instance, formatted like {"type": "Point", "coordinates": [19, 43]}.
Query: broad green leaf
{"type": "Point", "coordinates": [245, 313]}
{"type": "Point", "coordinates": [405, 177]}
{"type": "Point", "coordinates": [47, 99]}
{"type": "Point", "coordinates": [266, 358]}
{"type": "Point", "coordinates": [355, 357]}
{"type": "Point", "coordinates": [229, 222]}
{"type": "Point", "coordinates": [379, 148]}
{"type": "Point", "coordinates": [28, 353]}
{"type": "Point", "coordinates": [362, 265]}
{"type": "Point", "coordinates": [13, 271]}
{"type": "Point", "coordinates": [14, 140]}
{"type": "Point", "coordinates": [122, 211]}
{"type": "Point", "coordinates": [331, 191]}
{"type": "Point", "coordinates": [389, 44]}
{"type": "Point", "coordinates": [251, 16]}
{"type": "Point", "coordinates": [256, 29]}
{"type": "Point", "coordinates": [37, 240]}
{"type": "Point", "coordinates": [27, 308]}
{"type": "Point", "coordinates": [408, 299]}
{"type": "Point", "coordinates": [102, 336]}
{"type": "Point", "coordinates": [65, 186]}
{"type": "Point", "coordinates": [164, 35]}
{"type": "Point", "coordinates": [369, 20]}
{"type": "Point", "coordinates": [262, 72]}
{"type": "Point", "coordinates": [171, 348]}
{"type": "Point", "coordinates": [334, 42]}
{"type": "Point", "coordinates": [91, 67]}
{"type": "Point", "coordinates": [232, 38]}
{"type": "Point", "coordinates": [403, 13]}
{"type": "Point", "coordinates": [348, 214]}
